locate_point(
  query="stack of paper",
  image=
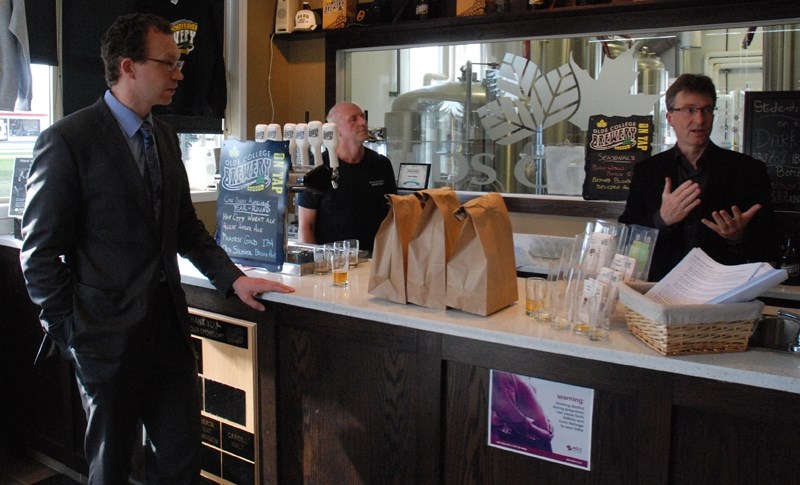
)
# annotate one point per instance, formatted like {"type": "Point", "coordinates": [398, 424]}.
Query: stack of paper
{"type": "Point", "coordinates": [698, 279]}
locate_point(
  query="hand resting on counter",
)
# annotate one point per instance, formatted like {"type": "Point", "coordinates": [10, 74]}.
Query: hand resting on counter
{"type": "Point", "coordinates": [246, 288]}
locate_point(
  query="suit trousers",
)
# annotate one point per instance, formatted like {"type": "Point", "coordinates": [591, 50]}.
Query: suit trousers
{"type": "Point", "coordinates": [156, 383]}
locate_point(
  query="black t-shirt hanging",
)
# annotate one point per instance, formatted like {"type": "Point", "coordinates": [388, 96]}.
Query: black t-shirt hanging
{"type": "Point", "coordinates": [199, 27]}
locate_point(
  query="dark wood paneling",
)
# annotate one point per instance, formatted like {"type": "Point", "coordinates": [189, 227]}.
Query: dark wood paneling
{"type": "Point", "coordinates": [428, 407]}
{"type": "Point", "coordinates": [652, 428]}
{"type": "Point", "coordinates": [556, 367]}
{"type": "Point", "coordinates": [466, 458]}
{"type": "Point", "coordinates": [349, 406]}
{"type": "Point", "coordinates": [718, 449]}
{"type": "Point", "coordinates": [212, 301]}
{"type": "Point", "coordinates": [40, 408]}
{"type": "Point", "coordinates": [618, 402]}
{"type": "Point", "coordinates": [469, 459]}
{"type": "Point", "coordinates": [267, 405]}
{"type": "Point", "coordinates": [751, 403]}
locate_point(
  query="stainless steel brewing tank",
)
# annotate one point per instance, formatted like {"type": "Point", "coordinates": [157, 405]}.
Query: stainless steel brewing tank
{"type": "Point", "coordinates": [652, 78]}
{"type": "Point", "coordinates": [427, 126]}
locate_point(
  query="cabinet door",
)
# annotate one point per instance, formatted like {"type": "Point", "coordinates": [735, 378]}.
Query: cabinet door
{"type": "Point", "coordinates": [349, 407]}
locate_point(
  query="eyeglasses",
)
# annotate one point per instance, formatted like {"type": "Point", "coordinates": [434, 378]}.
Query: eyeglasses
{"type": "Point", "coordinates": [171, 65]}
{"type": "Point", "coordinates": [691, 110]}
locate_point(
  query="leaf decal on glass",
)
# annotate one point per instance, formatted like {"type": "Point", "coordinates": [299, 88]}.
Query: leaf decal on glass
{"type": "Point", "coordinates": [507, 120]}
{"type": "Point", "coordinates": [557, 96]}
{"type": "Point", "coordinates": [532, 101]}
{"type": "Point", "coordinates": [610, 94]}
{"type": "Point", "coordinates": [517, 75]}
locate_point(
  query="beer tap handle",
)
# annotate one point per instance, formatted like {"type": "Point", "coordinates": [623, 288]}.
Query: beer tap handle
{"type": "Point", "coordinates": [288, 135]}
{"type": "Point", "coordinates": [274, 132]}
{"type": "Point", "coordinates": [300, 133]}
{"type": "Point", "coordinates": [330, 138]}
{"type": "Point", "coordinates": [261, 133]}
{"type": "Point", "coordinates": [314, 136]}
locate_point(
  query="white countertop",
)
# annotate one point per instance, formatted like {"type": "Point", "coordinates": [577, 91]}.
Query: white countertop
{"type": "Point", "coordinates": [204, 195]}
{"type": "Point", "coordinates": [755, 367]}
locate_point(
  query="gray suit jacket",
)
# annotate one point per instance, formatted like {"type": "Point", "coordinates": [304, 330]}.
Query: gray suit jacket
{"type": "Point", "coordinates": [91, 256]}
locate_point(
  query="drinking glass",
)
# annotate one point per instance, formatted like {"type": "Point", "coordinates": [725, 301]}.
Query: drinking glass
{"type": "Point", "coordinates": [321, 260]}
{"type": "Point", "coordinates": [599, 311]}
{"type": "Point", "coordinates": [537, 299]}
{"type": "Point", "coordinates": [352, 244]}
{"type": "Point", "coordinates": [340, 262]}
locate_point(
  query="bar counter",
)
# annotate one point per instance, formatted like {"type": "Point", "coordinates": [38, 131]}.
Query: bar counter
{"type": "Point", "coordinates": [357, 389]}
{"type": "Point", "coordinates": [351, 388]}
{"type": "Point", "coordinates": [756, 367]}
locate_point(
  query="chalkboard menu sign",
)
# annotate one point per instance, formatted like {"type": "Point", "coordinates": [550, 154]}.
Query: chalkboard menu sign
{"type": "Point", "coordinates": [613, 146]}
{"type": "Point", "coordinates": [252, 202]}
{"type": "Point", "coordinates": [772, 135]}
{"type": "Point", "coordinates": [16, 202]}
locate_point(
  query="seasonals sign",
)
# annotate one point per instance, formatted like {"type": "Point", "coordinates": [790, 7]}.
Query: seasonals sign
{"type": "Point", "coordinates": [613, 146]}
{"type": "Point", "coordinates": [251, 206]}
{"type": "Point", "coordinates": [772, 135]}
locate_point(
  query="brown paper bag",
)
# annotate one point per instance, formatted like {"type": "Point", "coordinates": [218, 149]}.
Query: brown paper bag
{"type": "Point", "coordinates": [482, 273]}
{"type": "Point", "coordinates": [387, 269]}
{"type": "Point", "coordinates": [431, 246]}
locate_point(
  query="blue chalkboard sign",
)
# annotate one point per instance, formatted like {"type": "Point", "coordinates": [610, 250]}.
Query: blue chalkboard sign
{"type": "Point", "coordinates": [251, 206]}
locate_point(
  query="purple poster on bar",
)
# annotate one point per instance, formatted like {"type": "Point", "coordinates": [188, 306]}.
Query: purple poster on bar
{"type": "Point", "coordinates": [542, 419]}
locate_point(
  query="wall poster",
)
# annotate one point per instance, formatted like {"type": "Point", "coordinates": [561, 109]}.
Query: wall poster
{"type": "Point", "coordinates": [542, 419]}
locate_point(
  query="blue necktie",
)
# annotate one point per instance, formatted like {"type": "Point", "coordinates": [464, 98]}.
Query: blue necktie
{"type": "Point", "coordinates": [152, 170]}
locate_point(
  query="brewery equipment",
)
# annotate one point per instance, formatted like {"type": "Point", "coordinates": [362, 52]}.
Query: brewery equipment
{"type": "Point", "coordinates": [430, 125]}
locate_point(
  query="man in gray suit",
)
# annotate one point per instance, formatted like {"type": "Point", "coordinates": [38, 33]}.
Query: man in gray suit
{"type": "Point", "coordinates": [106, 217]}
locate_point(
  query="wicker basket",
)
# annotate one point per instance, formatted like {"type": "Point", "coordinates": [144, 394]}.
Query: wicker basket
{"type": "Point", "coordinates": [690, 338]}
{"type": "Point", "coordinates": [688, 329]}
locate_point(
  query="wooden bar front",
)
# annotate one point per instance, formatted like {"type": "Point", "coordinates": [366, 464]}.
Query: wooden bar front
{"type": "Point", "coordinates": [344, 399]}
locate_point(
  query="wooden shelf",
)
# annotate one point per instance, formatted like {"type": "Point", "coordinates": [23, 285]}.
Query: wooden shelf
{"type": "Point", "coordinates": [617, 16]}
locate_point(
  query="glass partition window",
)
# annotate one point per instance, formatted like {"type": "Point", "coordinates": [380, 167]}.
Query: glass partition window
{"type": "Point", "coordinates": [512, 115]}
{"type": "Point", "coordinates": [200, 153]}
{"type": "Point", "coordinates": [19, 129]}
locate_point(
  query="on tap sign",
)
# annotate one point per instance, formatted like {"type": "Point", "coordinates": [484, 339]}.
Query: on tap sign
{"type": "Point", "coordinates": [251, 205]}
{"type": "Point", "coordinates": [614, 144]}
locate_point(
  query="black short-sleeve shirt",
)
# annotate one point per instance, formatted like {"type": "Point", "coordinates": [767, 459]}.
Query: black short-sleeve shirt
{"type": "Point", "coordinates": [357, 207]}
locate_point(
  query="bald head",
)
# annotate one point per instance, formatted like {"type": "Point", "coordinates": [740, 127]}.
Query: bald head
{"type": "Point", "coordinates": [351, 123]}
{"type": "Point", "coordinates": [340, 109]}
